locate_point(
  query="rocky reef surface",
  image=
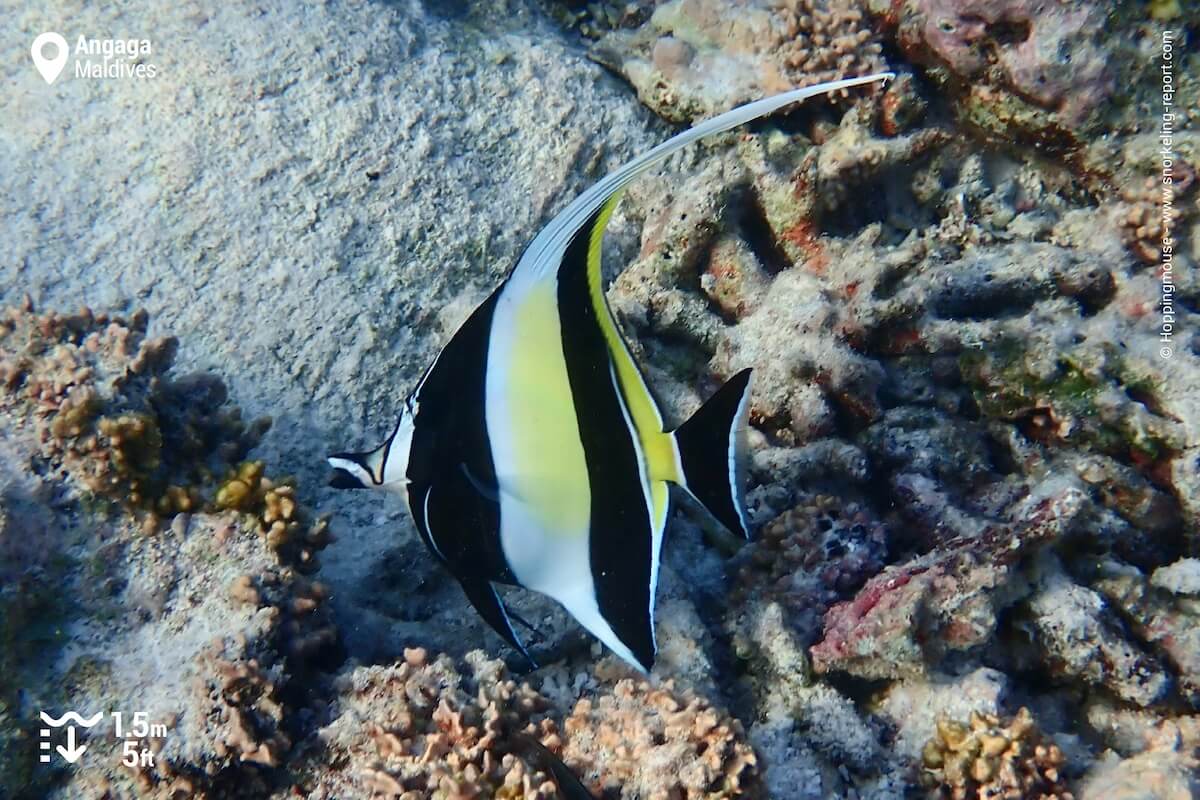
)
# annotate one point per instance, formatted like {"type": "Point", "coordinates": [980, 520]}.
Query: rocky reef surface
{"type": "Point", "coordinates": [975, 476]}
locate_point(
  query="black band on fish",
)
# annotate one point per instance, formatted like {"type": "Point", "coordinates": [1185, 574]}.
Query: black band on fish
{"type": "Point", "coordinates": [620, 542]}
{"type": "Point", "coordinates": [344, 480]}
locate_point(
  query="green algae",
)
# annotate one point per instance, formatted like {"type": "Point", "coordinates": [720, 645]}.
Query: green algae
{"type": "Point", "coordinates": [1005, 387]}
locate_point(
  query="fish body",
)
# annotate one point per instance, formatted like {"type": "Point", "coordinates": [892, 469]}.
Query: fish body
{"type": "Point", "coordinates": [532, 451]}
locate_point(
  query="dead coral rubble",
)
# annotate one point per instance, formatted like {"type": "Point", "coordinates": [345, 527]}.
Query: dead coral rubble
{"type": "Point", "coordinates": [208, 636]}
{"type": "Point", "coordinates": [1081, 638]}
{"type": "Point", "coordinates": [697, 58]}
{"type": "Point", "coordinates": [910, 616]}
{"type": "Point", "coordinates": [1163, 611]}
{"type": "Point", "coordinates": [819, 552]}
{"type": "Point", "coordinates": [1016, 66]}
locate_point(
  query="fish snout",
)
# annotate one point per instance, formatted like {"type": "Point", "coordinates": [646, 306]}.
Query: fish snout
{"type": "Point", "coordinates": [345, 469]}
{"type": "Point", "coordinates": [341, 479]}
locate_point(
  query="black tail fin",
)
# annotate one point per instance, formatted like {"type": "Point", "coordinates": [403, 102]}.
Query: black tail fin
{"type": "Point", "coordinates": [712, 447]}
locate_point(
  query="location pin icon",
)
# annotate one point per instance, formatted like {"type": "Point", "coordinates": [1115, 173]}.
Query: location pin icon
{"type": "Point", "coordinates": [50, 68]}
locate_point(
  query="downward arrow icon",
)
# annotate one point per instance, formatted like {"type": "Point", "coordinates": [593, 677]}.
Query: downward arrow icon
{"type": "Point", "coordinates": [71, 753]}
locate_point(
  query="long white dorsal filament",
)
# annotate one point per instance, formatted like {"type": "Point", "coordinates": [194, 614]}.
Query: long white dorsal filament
{"type": "Point", "coordinates": [553, 239]}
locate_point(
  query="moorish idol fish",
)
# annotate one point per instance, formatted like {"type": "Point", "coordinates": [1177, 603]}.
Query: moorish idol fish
{"type": "Point", "coordinates": [532, 453]}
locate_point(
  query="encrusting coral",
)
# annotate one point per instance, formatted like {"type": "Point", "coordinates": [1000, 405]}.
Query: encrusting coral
{"type": "Point", "coordinates": [807, 558]}
{"type": "Point", "coordinates": [910, 616]}
{"type": "Point", "coordinates": [1014, 45]}
{"type": "Point", "coordinates": [992, 759]}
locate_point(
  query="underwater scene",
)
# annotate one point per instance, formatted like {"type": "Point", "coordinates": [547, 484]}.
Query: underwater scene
{"type": "Point", "coordinates": [656, 399]}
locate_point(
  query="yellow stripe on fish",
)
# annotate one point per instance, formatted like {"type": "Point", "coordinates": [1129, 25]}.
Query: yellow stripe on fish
{"type": "Point", "coordinates": [550, 472]}
{"type": "Point", "coordinates": [662, 457]}
{"type": "Point", "coordinates": [532, 452]}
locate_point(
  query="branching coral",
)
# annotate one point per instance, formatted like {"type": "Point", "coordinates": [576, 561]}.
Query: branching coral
{"type": "Point", "coordinates": [423, 728]}
{"type": "Point", "coordinates": [286, 525]}
{"type": "Point", "coordinates": [216, 641]}
{"type": "Point", "coordinates": [420, 729]}
{"type": "Point", "coordinates": [1144, 214]}
{"type": "Point", "coordinates": [213, 629]}
{"type": "Point", "coordinates": [990, 758]}
{"type": "Point", "coordinates": [659, 742]}
{"type": "Point", "coordinates": [106, 410]}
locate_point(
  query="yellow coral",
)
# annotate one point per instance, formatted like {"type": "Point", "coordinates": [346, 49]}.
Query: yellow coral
{"type": "Point", "coordinates": [280, 518]}
{"type": "Point", "coordinates": [988, 758]}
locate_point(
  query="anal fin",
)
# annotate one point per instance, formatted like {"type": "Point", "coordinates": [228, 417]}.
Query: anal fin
{"type": "Point", "coordinates": [486, 601]}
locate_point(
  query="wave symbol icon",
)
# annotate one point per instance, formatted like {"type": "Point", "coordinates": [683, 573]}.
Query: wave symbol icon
{"type": "Point", "coordinates": [71, 716]}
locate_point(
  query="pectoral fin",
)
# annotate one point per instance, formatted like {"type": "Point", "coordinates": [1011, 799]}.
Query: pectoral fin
{"type": "Point", "coordinates": [483, 596]}
{"type": "Point", "coordinates": [486, 491]}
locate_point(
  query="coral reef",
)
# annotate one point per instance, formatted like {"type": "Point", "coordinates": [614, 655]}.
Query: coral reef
{"type": "Point", "coordinates": [975, 469]}
{"type": "Point", "coordinates": [283, 522]}
{"type": "Point", "coordinates": [596, 19]}
{"type": "Point", "coordinates": [659, 742]}
{"type": "Point", "coordinates": [913, 708]}
{"type": "Point", "coordinates": [946, 346]}
{"type": "Point", "coordinates": [1162, 611]}
{"type": "Point", "coordinates": [910, 616]}
{"type": "Point", "coordinates": [426, 727]}
{"type": "Point", "coordinates": [1082, 639]}
{"type": "Point", "coordinates": [806, 559]}
{"type": "Point", "coordinates": [1162, 765]}
{"type": "Point", "coordinates": [1016, 46]}
{"type": "Point", "coordinates": [420, 728]}
{"type": "Point", "coordinates": [218, 645]}
{"type": "Point", "coordinates": [105, 410]}
{"type": "Point", "coordinates": [1145, 218]}
{"type": "Point", "coordinates": [987, 757]}
{"type": "Point", "coordinates": [113, 538]}
{"type": "Point", "coordinates": [696, 58]}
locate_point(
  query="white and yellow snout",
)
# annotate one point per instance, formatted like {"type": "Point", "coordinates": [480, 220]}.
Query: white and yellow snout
{"type": "Point", "coordinates": [385, 467]}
